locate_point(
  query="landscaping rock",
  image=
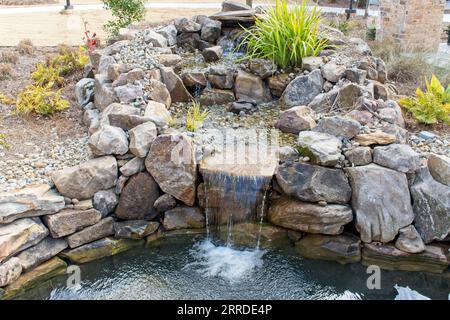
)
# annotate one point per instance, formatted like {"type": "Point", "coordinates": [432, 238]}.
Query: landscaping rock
{"type": "Point", "coordinates": [250, 88]}
{"type": "Point", "coordinates": [312, 63]}
{"type": "Point", "coordinates": [349, 96]}
{"type": "Point", "coordinates": [170, 33]}
{"type": "Point", "coordinates": [243, 106]}
{"type": "Point", "coordinates": [84, 91]}
{"type": "Point", "coordinates": [141, 138]}
{"type": "Point", "coordinates": [222, 81]}
{"type": "Point", "coordinates": [321, 148]}
{"type": "Point", "coordinates": [439, 167]}
{"type": "Point", "coordinates": [409, 240]}
{"type": "Point", "coordinates": [356, 75]}
{"type": "Point", "coordinates": [431, 207]}
{"type": "Point", "coordinates": [363, 117]}
{"type": "Point", "coordinates": [211, 30]}
{"type": "Point", "coordinates": [194, 80]}
{"type": "Point", "coordinates": [104, 92]}
{"type": "Point", "coordinates": [400, 157]}
{"type": "Point", "coordinates": [20, 235]}
{"type": "Point", "coordinates": [157, 91]}
{"type": "Point", "coordinates": [345, 248]}
{"type": "Point", "coordinates": [187, 25]}
{"type": "Point", "coordinates": [101, 229]}
{"type": "Point", "coordinates": [228, 5]}
{"type": "Point", "coordinates": [375, 220]}
{"type": "Point", "coordinates": [171, 161]}
{"type": "Point", "coordinates": [378, 137]}
{"type": "Point", "coordinates": [278, 83]}
{"type": "Point", "coordinates": [174, 84]}
{"type": "Point", "coordinates": [307, 217]}
{"type": "Point", "coordinates": [211, 97]}
{"type": "Point", "coordinates": [212, 54]}
{"type": "Point", "coordinates": [324, 101]}
{"type": "Point", "coordinates": [135, 229]}
{"type": "Point", "coordinates": [105, 201]}
{"type": "Point", "coordinates": [263, 68]}
{"type": "Point", "coordinates": [169, 60]}
{"type": "Point", "coordinates": [118, 113]}
{"type": "Point", "coordinates": [339, 126]}
{"type": "Point", "coordinates": [302, 90]}
{"type": "Point", "coordinates": [184, 218]}
{"type": "Point", "coordinates": [128, 93]}
{"type": "Point", "coordinates": [158, 113]}
{"type": "Point", "coordinates": [132, 167]}
{"type": "Point", "coordinates": [31, 201]}
{"type": "Point", "coordinates": [43, 251]}
{"type": "Point", "coordinates": [333, 72]}
{"type": "Point", "coordinates": [109, 140]}
{"type": "Point", "coordinates": [91, 119]}
{"type": "Point", "coordinates": [313, 183]}
{"type": "Point", "coordinates": [104, 62]}
{"type": "Point", "coordinates": [69, 221]}
{"type": "Point", "coordinates": [137, 198]}
{"type": "Point", "coordinates": [189, 41]}
{"type": "Point", "coordinates": [164, 203]}
{"type": "Point", "coordinates": [359, 156]}
{"type": "Point", "coordinates": [135, 75]}
{"type": "Point", "coordinates": [10, 271]}
{"type": "Point", "coordinates": [296, 119]}
{"type": "Point", "coordinates": [155, 39]}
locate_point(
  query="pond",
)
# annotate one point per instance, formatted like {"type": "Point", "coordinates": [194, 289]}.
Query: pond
{"type": "Point", "coordinates": [192, 267]}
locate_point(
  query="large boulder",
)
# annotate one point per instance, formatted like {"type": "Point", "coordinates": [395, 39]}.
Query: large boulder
{"type": "Point", "coordinates": [10, 271]}
{"type": "Point", "coordinates": [302, 90]}
{"type": "Point", "coordinates": [157, 113]}
{"type": "Point", "coordinates": [31, 201]}
{"type": "Point", "coordinates": [20, 235]}
{"type": "Point", "coordinates": [184, 218]}
{"type": "Point", "coordinates": [137, 198]}
{"type": "Point", "coordinates": [333, 72]}
{"type": "Point", "coordinates": [194, 80]}
{"type": "Point", "coordinates": [439, 167]}
{"type": "Point", "coordinates": [128, 93]}
{"type": "Point", "coordinates": [349, 96]}
{"type": "Point", "coordinates": [109, 140]}
{"type": "Point", "coordinates": [321, 148]}
{"type": "Point", "coordinates": [313, 183]}
{"type": "Point", "coordinates": [116, 114]}
{"type": "Point", "coordinates": [171, 161]}
{"type": "Point", "coordinates": [296, 119]}
{"type": "Point", "coordinates": [157, 40]}
{"type": "Point", "coordinates": [307, 217]}
{"type": "Point", "coordinates": [339, 126]}
{"type": "Point", "coordinates": [43, 251]}
{"type": "Point", "coordinates": [400, 157]}
{"type": "Point", "coordinates": [101, 229]}
{"type": "Point", "coordinates": [69, 221]}
{"type": "Point", "coordinates": [211, 30]}
{"type": "Point", "coordinates": [170, 33]}
{"type": "Point", "coordinates": [380, 219]}
{"type": "Point", "coordinates": [104, 92]}
{"type": "Point", "coordinates": [135, 229]}
{"type": "Point", "coordinates": [345, 248]}
{"type": "Point", "coordinates": [84, 180]}
{"type": "Point", "coordinates": [164, 203]}
{"type": "Point", "coordinates": [187, 25]}
{"type": "Point", "coordinates": [431, 206]}
{"type": "Point", "coordinates": [212, 54]}
{"type": "Point", "coordinates": [359, 156]}
{"type": "Point", "coordinates": [141, 138]}
{"type": "Point", "coordinates": [84, 91]}
{"type": "Point", "coordinates": [132, 167]}
{"type": "Point", "coordinates": [157, 91]}
{"type": "Point", "coordinates": [174, 84]}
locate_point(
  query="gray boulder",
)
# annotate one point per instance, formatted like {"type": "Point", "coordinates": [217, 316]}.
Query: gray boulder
{"type": "Point", "coordinates": [105, 201]}
{"type": "Point", "coordinates": [170, 33]}
{"type": "Point", "coordinates": [135, 229]}
{"type": "Point", "coordinates": [101, 229]}
{"type": "Point", "coordinates": [128, 93]}
{"type": "Point", "coordinates": [338, 126]}
{"type": "Point", "coordinates": [155, 39]}
{"type": "Point", "coordinates": [104, 92]}
{"type": "Point", "coordinates": [302, 90]}
{"type": "Point", "coordinates": [439, 167]}
{"type": "Point", "coordinates": [409, 240]}
{"type": "Point", "coordinates": [321, 148]}
{"type": "Point", "coordinates": [333, 72]}
{"type": "Point", "coordinates": [296, 119]}
{"type": "Point", "coordinates": [211, 30]}
{"type": "Point", "coordinates": [212, 54]}
{"type": "Point", "coordinates": [359, 156]}
{"type": "Point", "coordinates": [84, 91]}
{"type": "Point", "coordinates": [10, 271]}
{"type": "Point", "coordinates": [187, 25]}
{"type": "Point", "coordinates": [141, 138]}
{"type": "Point", "coordinates": [43, 251]}
{"type": "Point", "coordinates": [132, 167]}
{"type": "Point", "coordinates": [400, 157]}
{"type": "Point", "coordinates": [263, 68]}
{"type": "Point", "coordinates": [184, 218]}
{"type": "Point", "coordinates": [109, 140]}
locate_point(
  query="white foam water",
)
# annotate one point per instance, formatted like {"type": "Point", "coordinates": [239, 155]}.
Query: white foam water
{"type": "Point", "coordinates": [224, 261]}
{"type": "Point", "coordinates": [405, 293]}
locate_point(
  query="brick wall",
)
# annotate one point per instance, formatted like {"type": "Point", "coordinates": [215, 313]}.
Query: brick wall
{"type": "Point", "coordinates": [412, 23]}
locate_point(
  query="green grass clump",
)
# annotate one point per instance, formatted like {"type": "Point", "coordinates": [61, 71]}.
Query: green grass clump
{"type": "Point", "coordinates": [195, 117]}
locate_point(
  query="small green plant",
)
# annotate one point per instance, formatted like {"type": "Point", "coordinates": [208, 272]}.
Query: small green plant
{"type": "Point", "coordinates": [3, 142]}
{"type": "Point", "coordinates": [371, 32]}
{"type": "Point", "coordinates": [431, 106]}
{"type": "Point", "coordinates": [68, 59]}
{"type": "Point", "coordinates": [40, 99]}
{"type": "Point", "coordinates": [44, 75]}
{"type": "Point", "coordinates": [195, 117]}
{"type": "Point", "coordinates": [286, 34]}
{"type": "Point", "coordinates": [125, 12]}
{"type": "Point", "coordinates": [172, 121]}
{"type": "Point", "coordinates": [4, 99]}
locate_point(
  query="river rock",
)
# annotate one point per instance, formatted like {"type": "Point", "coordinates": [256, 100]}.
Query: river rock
{"type": "Point", "coordinates": [157, 91]}
{"type": "Point", "coordinates": [84, 91]}
{"type": "Point", "coordinates": [187, 25]}
{"type": "Point", "coordinates": [104, 92]}
{"type": "Point", "coordinates": [433, 259]}
{"type": "Point", "coordinates": [155, 39]}
{"type": "Point", "coordinates": [141, 138]}
{"type": "Point", "coordinates": [307, 217]}
{"type": "Point", "coordinates": [439, 167]}
{"type": "Point", "coordinates": [43, 251]}
{"type": "Point", "coordinates": [69, 221]}
{"type": "Point", "coordinates": [105, 201]}
{"type": "Point", "coordinates": [359, 156]}
{"type": "Point", "coordinates": [171, 161]}
{"type": "Point", "coordinates": [84, 180]}
{"type": "Point", "coordinates": [211, 97]}
{"type": "Point", "coordinates": [137, 198]}
{"type": "Point", "coordinates": [164, 203]}
{"type": "Point", "coordinates": [378, 137]}
{"type": "Point", "coordinates": [211, 30]}
{"type": "Point", "coordinates": [135, 229]}
{"type": "Point", "coordinates": [345, 248]}
{"type": "Point", "coordinates": [174, 84]}
{"type": "Point", "coordinates": [382, 219]}
{"type": "Point", "coordinates": [313, 183]}
{"type": "Point", "coordinates": [101, 229]}
{"type": "Point", "coordinates": [278, 83]}
{"type": "Point", "coordinates": [296, 119]}
{"type": "Point", "coordinates": [431, 206]}
{"type": "Point", "coordinates": [338, 126]}
{"type": "Point", "coordinates": [10, 271]}
{"type": "Point", "coordinates": [109, 140]}
{"type": "Point", "coordinates": [20, 235]}
{"type": "Point", "coordinates": [132, 167]}
{"type": "Point", "coordinates": [302, 90]}
{"type": "Point", "coordinates": [212, 54]}
{"type": "Point", "coordinates": [263, 68]}
{"type": "Point", "coordinates": [321, 148]}
{"type": "Point", "coordinates": [409, 240]}
{"type": "Point", "coordinates": [184, 218]}
{"type": "Point", "coordinates": [31, 201]}
{"type": "Point", "coordinates": [333, 72]}
{"type": "Point", "coordinates": [400, 157]}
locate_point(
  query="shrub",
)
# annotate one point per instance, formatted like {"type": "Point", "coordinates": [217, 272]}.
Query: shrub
{"type": "Point", "coordinates": [371, 32]}
{"type": "Point", "coordinates": [5, 99]}
{"type": "Point", "coordinates": [125, 12]}
{"type": "Point", "coordinates": [68, 59]}
{"type": "Point", "coordinates": [3, 142]}
{"type": "Point", "coordinates": [195, 117]}
{"type": "Point", "coordinates": [40, 99]}
{"type": "Point", "coordinates": [5, 71]}
{"type": "Point", "coordinates": [9, 56]}
{"type": "Point", "coordinates": [26, 46]}
{"type": "Point", "coordinates": [44, 75]}
{"type": "Point", "coordinates": [286, 35]}
{"type": "Point", "coordinates": [430, 106]}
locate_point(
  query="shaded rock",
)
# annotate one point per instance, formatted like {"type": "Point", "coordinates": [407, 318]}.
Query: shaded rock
{"type": "Point", "coordinates": [324, 101]}
{"type": "Point", "coordinates": [349, 96]}
{"type": "Point", "coordinates": [108, 140]}
{"type": "Point", "coordinates": [170, 33]}
{"type": "Point", "coordinates": [308, 217]}
{"type": "Point", "coordinates": [31, 201]}
{"type": "Point", "coordinates": [356, 75]}
{"type": "Point", "coordinates": [439, 167]}
{"type": "Point", "coordinates": [141, 138]}
{"type": "Point", "coordinates": [378, 137]}
{"type": "Point", "coordinates": [20, 235]}
{"type": "Point", "coordinates": [105, 201]}
{"type": "Point", "coordinates": [157, 91]}
{"type": "Point", "coordinates": [99, 249]}
{"type": "Point", "coordinates": [312, 63]}
{"type": "Point", "coordinates": [184, 218]}
{"type": "Point", "coordinates": [262, 68]}
{"type": "Point", "coordinates": [228, 5]}
{"type": "Point", "coordinates": [101, 229]}
{"type": "Point", "coordinates": [363, 117]}
{"type": "Point", "coordinates": [278, 83]}
{"type": "Point", "coordinates": [135, 229]}
{"type": "Point", "coordinates": [302, 90]}
{"type": "Point", "coordinates": [174, 84]}
{"type": "Point", "coordinates": [164, 203]}
{"type": "Point", "coordinates": [211, 30]}
{"type": "Point", "coordinates": [132, 167]}
{"type": "Point", "coordinates": [69, 221]}
{"type": "Point", "coordinates": [43, 251]}
{"type": "Point", "coordinates": [104, 92]}
{"type": "Point", "coordinates": [313, 183]}
{"type": "Point", "coordinates": [194, 79]}
{"type": "Point", "coordinates": [250, 88]}
{"type": "Point", "coordinates": [137, 198]}
{"type": "Point", "coordinates": [243, 106]}
{"type": "Point", "coordinates": [10, 271]}
{"type": "Point", "coordinates": [211, 97]}
{"type": "Point", "coordinates": [221, 81]}
{"type": "Point", "coordinates": [409, 240]}
{"type": "Point", "coordinates": [338, 126]}
{"type": "Point", "coordinates": [187, 25]}
{"type": "Point", "coordinates": [296, 119]}
{"type": "Point", "coordinates": [388, 257]}
{"type": "Point", "coordinates": [212, 54]}
{"type": "Point", "coordinates": [345, 248]}
{"type": "Point", "coordinates": [400, 157]}
{"type": "Point", "coordinates": [333, 72]}
{"type": "Point", "coordinates": [431, 207]}
{"type": "Point", "coordinates": [359, 156]}
{"type": "Point", "coordinates": [321, 148]}
{"type": "Point", "coordinates": [84, 91]}
{"type": "Point", "coordinates": [380, 220]}
{"type": "Point", "coordinates": [380, 91]}
{"type": "Point", "coordinates": [189, 41]}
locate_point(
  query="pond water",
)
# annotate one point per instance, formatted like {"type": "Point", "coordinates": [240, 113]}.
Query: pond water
{"type": "Point", "coordinates": [191, 267]}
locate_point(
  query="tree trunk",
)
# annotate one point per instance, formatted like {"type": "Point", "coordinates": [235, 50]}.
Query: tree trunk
{"type": "Point", "coordinates": [366, 12]}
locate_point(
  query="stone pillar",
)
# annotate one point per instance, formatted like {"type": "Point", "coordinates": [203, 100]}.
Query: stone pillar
{"type": "Point", "coordinates": [414, 24]}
